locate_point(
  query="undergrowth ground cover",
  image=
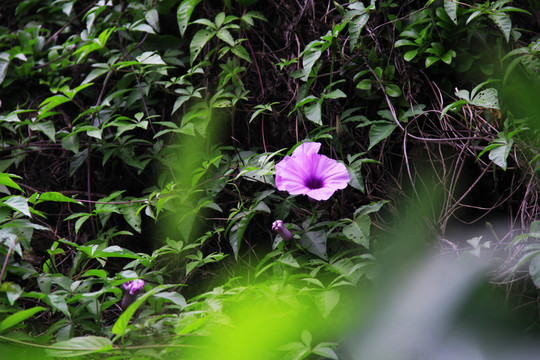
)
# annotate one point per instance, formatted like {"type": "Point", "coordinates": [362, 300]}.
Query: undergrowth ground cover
{"type": "Point", "coordinates": [257, 179]}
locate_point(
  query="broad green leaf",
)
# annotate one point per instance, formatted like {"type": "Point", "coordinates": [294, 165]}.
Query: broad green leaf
{"type": "Point", "coordinates": [152, 18]}
{"type": "Point", "coordinates": [392, 90]}
{"type": "Point", "coordinates": [150, 58]}
{"type": "Point", "coordinates": [379, 132]}
{"type": "Point", "coordinates": [326, 301]}
{"type": "Point", "coordinates": [183, 14]}
{"type": "Point", "coordinates": [430, 60]}
{"type": "Point", "coordinates": [53, 196]}
{"type": "Point", "coordinates": [131, 216]}
{"type": "Point", "coordinates": [197, 43]}
{"type": "Point", "coordinates": [450, 6]}
{"type": "Point", "coordinates": [503, 21]}
{"type": "Point", "coordinates": [45, 127]}
{"type": "Point", "coordinates": [241, 52]}
{"type": "Point", "coordinates": [19, 317]}
{"type": "Point", "coordinates": [326, 352]}
{"type": "Point", "coordinates": [226, 36]}
{"type": "Point", "coordinates": [310, 56]}
{"type": "Point", "coordinates": [358, 230]}
{"type": "Point", "coordinates": [313, 112]}
{"type": "Point", "coordinates": [173, 297]}
{"type": "Point", "coordinates": [237, 232]}
{"type": "Point", "coordinates": [79, 346]}
{"type": "Point", "coordinates": [488, 98]}
{"type": "Point", "coordinates": [409, 55]}
{"type": "Point", "coordinates": [315, 243]}
{"type": "Point", "coordinates": [58, 302]}
{"type": "Point", "coordinates": [5, 179]}
{"type": "Point", "coordinates": [18, 203]}
{"type": "Point", "coordinates": [500, 153]}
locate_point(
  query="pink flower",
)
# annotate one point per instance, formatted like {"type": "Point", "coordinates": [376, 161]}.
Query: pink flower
{"type": "Point", "coordinates": [133, 286]}
{"type": "Point", "coordinates": [308, 173]}
{"type": "Point", "coordinates": [280, 228]}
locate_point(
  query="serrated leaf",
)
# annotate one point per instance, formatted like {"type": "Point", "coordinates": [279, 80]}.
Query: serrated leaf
{"type": "Point", "coordinates": [358, 231]}
{"type": "Point", "coordinates": [19, 317]}
{"type": "Point", "coordinates": [79, 346]}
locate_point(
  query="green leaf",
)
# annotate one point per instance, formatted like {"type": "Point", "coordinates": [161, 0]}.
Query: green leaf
{"type": "Point", "coordinates": [379, 132]}
{"type": "Point", "coordinates": [358, 230]}
{"type": "Point", "coordinates": [313, 112]}
{"type": "Point", "coordinates": [326, 301]}
{"type": "Point", "coordinates": [150, 58]}
{"type": "Point", "coordinates": [430, 60]}
{"type": "Point", "coordinates": [45, 127]}
{"type": "Point", "coordinates": [488, 98]}
{"type": "Point", "coordinates": [409, 55]}
{"type": "Point", "coordinates": [500, 153]}
{"type": "Point", "coordinates": [183, 14]}
{"type": "Point", "coordinates": [237, 232]}
{"type": "Point", "coordinates": [315, 243]}
{"type": "Point", "coordinates": [197, 43]}
{"type": "Point", "coordinates": [19, 317]}
{"type": "Point", "coordinates": [18, 203]}
{"type": "Point", "coordinates": [79, 346]}
{"type": "Point", "coordinates": [392, 90]}
{"type": "Point", "coordinates": [54, 196]}
{"type": "Point", "coordinates": [325, 352]}
{"type": "Point", "coordinates": [503, 21]}
{"type": "Point", "coordinates": [450, 6]}
{"type": "Point", "coordinates": [5, 179]}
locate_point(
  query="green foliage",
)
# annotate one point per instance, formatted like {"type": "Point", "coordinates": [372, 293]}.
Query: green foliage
{"type": "Point", "coordinates": [139, 141]}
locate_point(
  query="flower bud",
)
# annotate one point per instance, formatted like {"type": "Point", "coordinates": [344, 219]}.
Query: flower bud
{"type": "Point", "coordinates": [282, 231]}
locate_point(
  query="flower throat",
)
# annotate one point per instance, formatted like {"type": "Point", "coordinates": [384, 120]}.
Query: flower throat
{"type": "Point", "coordinates": [314, 183]}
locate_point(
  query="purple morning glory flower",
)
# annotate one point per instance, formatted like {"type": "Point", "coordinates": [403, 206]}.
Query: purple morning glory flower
{"type": "Point", "coordinates": [133, 286]}
{"type": "Point", "coordinates": [131, 289]}
{"type": "Point", "coordinates": [280, 228]}
{"type": "Point", "coordinates": [308, 173]}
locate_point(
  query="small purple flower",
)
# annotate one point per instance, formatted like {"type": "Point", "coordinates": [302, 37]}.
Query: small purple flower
{"type": "Point", "coordinates": [131, 289]}
{"type": "Point", "coordinates": [308, 173]}
{"type": "Point", "coordinates": [278, 227]}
